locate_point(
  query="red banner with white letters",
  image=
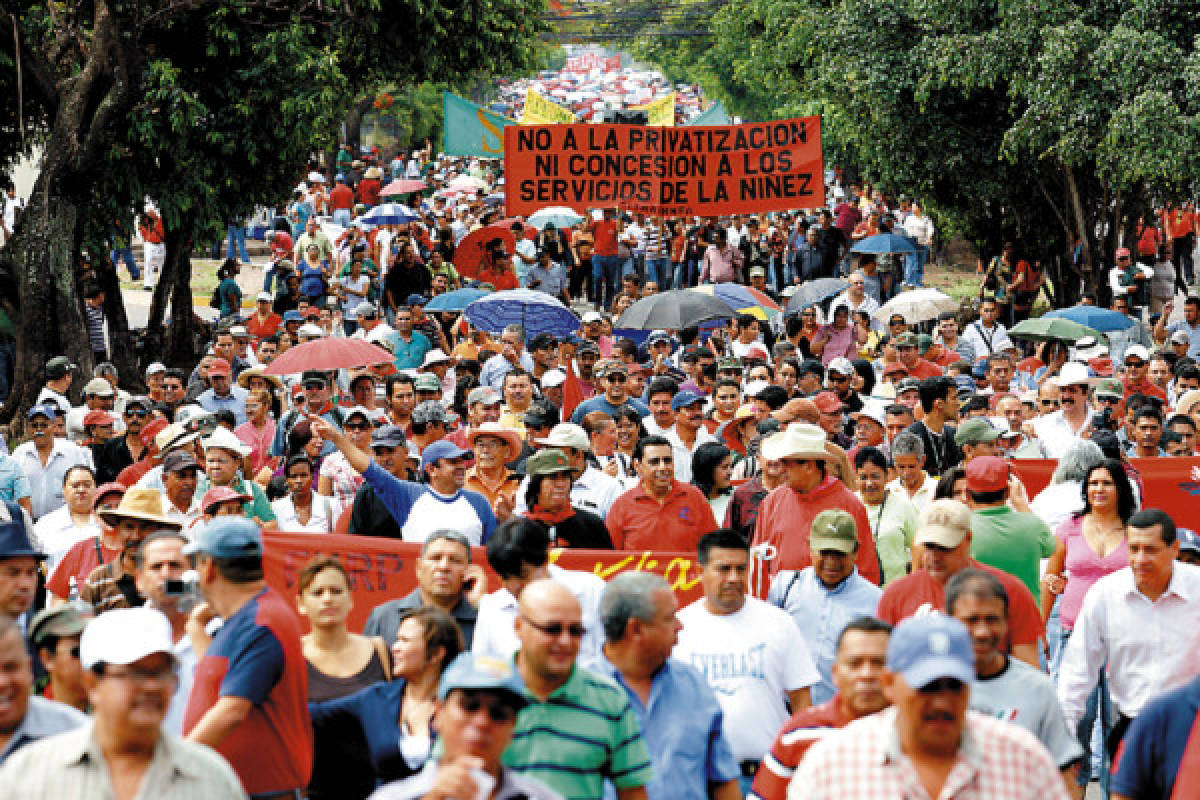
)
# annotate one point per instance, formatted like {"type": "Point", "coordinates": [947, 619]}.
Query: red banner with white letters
{"type": "Point", "coordinates": [385, 569]}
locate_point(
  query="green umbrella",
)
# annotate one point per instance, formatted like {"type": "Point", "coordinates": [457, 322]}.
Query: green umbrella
{"type": "Point", "coordinates": [1053, 329]}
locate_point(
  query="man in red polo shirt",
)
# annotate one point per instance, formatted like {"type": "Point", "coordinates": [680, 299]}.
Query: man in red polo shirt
{"type": "Point", "coordinates": [907, 348]}
{"type": "Point", "coordinates": [944, 540]}
{"type": "Point", "coordinates": [861, 657]}
{"type": "Point", "coordinates": [660, 513]}
{"type": "Point", "coordinates": [810, 489]}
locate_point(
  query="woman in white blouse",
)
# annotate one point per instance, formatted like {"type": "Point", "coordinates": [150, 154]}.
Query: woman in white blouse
{"type": "Point", "coordinates": [302, 509]}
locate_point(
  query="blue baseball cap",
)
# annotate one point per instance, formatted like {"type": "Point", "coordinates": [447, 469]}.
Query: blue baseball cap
{"type": "Point", "coordinates": [979, 369]}
{"type": "Point", "coordinates": [442, 448]}
{"type": "Point", "coordinates": [47, 410]}
{"type": "Point", "coordinates": [14, 536]}
{"type": "Point", "coordinates": [1188, 540]}
{"type": "Point", "coordinates": [416, 300]}
{"type": "Point", "coordinates": [685, 399]}
{"type": "Point", "coordinates": [929, 647]}
{"type": "Point", "coordinates": [227, 537]}
{"type": "Point", "coordinates": [476, 671]}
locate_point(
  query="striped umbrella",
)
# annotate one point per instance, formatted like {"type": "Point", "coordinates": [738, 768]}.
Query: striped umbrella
{"type": "Point", "coordinates": [388, 214]}
{"type": "Point", "coordinates": [742, 299]}
{"type": "Point", "coordinates": [537, 312]}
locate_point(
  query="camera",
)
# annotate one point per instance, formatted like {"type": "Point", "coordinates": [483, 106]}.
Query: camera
{"type": "Point", "coordinates": [185, 590]}
{"type": "Point", "coordinates": [1104, 420]}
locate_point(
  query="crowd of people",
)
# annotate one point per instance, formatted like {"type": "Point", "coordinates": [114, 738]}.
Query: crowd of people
{"type": "Point", "coordinates": [883, 608]}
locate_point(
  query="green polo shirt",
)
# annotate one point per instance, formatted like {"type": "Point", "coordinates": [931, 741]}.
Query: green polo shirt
{"type": "Point", "coordinates": [586, 731]}
{"type": "Point", "coordinates": [1012, 541]}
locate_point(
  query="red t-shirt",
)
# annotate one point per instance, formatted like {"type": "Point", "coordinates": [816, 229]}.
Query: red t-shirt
{"type": "Point", "coordinates": [1145, 387]}
{"type": "Point", "coordinates": [368, 192]}
{"type": "Point", "coordinates": [906, 596]}
{"type": "Point", "coordinates": [78, 563]}
{"type": "Point", "coordinates": [257, 656]}
{"type": "Point", "coordinates": [341, 197]}
{"type": "Point", "coordinates": [804, 729]}
{"type": "Point", "coordinates": [282, 245]}
{"type": "Point", "coordinates": [605, 233]}
{"type": "Point", "coordinates": [637, 521]}
{"type": "Point", "coordinates": [262, 329]}
{"type": "Point", "coordinates": [927, 369]}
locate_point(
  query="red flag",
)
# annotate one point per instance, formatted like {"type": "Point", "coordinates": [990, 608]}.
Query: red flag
{"type": "Point", "coordinates": [572, 392]}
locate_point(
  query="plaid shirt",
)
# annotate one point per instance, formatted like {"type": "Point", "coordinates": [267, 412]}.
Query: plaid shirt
{"type": "Point", "coordinates": [996, 761]}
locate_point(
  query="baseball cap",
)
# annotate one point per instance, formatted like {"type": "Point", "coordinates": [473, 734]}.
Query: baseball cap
{"type": "Point", "coordinates": [547, 462]}
{"type": "Point", "coordinates": [239, 332]}
{"type": "Point", "coordinates": [1188, 540]}
{"type": "Point", "coordinates": [566, 434]}
{"type": "Point", "coordinates": [1137, 351]}
{"type": "Point", "coordinates": [754, 388]}
{"type": "Point", "coordinates": [219, 366]}
{"type": "Point", "coordinates": [658, 336]}
{"type": "Point", "coordinates": [58, 367]}
{"type": "Point", "coordinates": [592, 316]}
{"type": "Point", "coordinates": [729, 362]}
{"type": "Point", "coordinates": [139, 400]}
{"type": "Point", "coordinates": [873, 410]}
{"type": "Point", "coordinates": [1122, 252]}
{"type": "Point", "coordinates": [975, 431]}
{"type": "Point", "coordinates": [587, 346]}
{"type": "Point", "coordinates": [436, 356]}
{"type": "Point", "coordinates": [47, 410]}
{"type": "Point", "coordinates": [756, 352]}
{"type": "Point", "coordinates": [125, 635]}
{"type": "Point", "coordinates": [309, 329]}
{"type": "Point", "coordinates": [552, 378]}
{"type": "Point", "coordinates": [987, 474]}
{"type": "Point", "coordinates": [895, 368]}
{"type": "Point", "coordinates": [1109, 387]}
{"type": "Point", "coordinates": [828, 403]}
{"type": "Point", "coordinates": [293, 316]}
{"type": "Point", "coordinates": [943, 522]}
{"type": "Point", "coordinates": [226, 537]}
{"type": "Point", "coordinates": [427, 382]}
{"type": "Point", "coordinates": [222, 494]}
{"type": "Point", "coordinates": [98, 416]}
{"type": "Point", "coordinates": [62, 621]}
{"type": "Point", "coordinates": [416, 300]}
{"type": "Point", "coordinates": [541, 415]}
{"type": "Point", "coordinates": [907, 339]}
{"type": "Point", "coordinates": [833, 529]}
{"type": "Point", "coordinates": [442, 448]}
{"type": "Point", "coordinates": [908, 384]}
{"type": "Point", "coordinates": [609, 366]}
{"type": "Point", "coordinates": [483, 394]}
{"type": "Point", "coordinates": [155, 368]}
{"type": "Point", "coordinates": [1180, 337]}
{"type": "Point", "coordinates": [264, 297]}
{"type": "Point", "coordinates": [475, 671]}
{"type": "Point", "coordinates": [366, 310]}
{"type": "Point", "coordinates": [429, 411]}
{"type": "Point", "coordinates": [98, 387]}
{"type": "Point", "coordinates": [929, 647]}
{"type": "Point", "coordinates": [179, 461]}
{"type": "Point", "coordinates": [685, 399]}
{"type": "Point", "coordinates": [388, 436]}
{"type": "Point", "coordinates": [924, 342]}
{"type": "Point", "coordinates": [757, 271]}
{"type": "Point", "coordinates": [841, 366]}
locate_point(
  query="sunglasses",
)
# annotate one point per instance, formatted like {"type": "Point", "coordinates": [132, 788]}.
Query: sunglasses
{"type": "Point", "coordinates": [616, 377]}
{"type": "Point", "coordinates": [1107, 400]}
{"type": "Point", "coordinates": [836, 378]}
{"type": "Point", "coordinates": [555, 629]}
{"type": "Point", "coordinates": [498, 711]}
{"type": "Point", "coordinates": [358, 426]}
{"type": "Point", "coordinates": [1049, 403]}
{"type": "Point", "coordinates": [1135, 364]}
{"type": "Point", "coordinates": [140, 414]}
{"type": "Point", "coordinates": [943, 685]}
{"type": "Point", "coordinates": [897, 322]}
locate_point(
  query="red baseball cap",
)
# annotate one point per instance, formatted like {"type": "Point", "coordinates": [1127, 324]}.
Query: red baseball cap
{"type": "Point", "coordinates": [987, 474]}
{"type": "Point", "coordinates": [152, 429]}
{"type": "Point", "coordinates": [1122, 252]}
{"type": "Point", "coordinates": [98, 416]}
{"type": "Point", "coordinates": [828, 403]}
{"type": "Point", "coordinates": [219, 366]}
{"type": "Point", "coordinates": [1101, 365]}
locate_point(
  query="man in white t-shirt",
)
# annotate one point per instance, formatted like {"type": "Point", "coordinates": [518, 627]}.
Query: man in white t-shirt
{"type": "Point", "coordinates": [519, 552]}
{"type": "Point", "coordinates": [525, 255]}
{"type": "Point", "coordinates": [751, 653]}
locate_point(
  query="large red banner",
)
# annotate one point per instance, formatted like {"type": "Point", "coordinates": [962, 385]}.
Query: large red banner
{"type": "Point", "coordinates": [385, 569]}
{"type": "Point", "coordinates": [682, 171]}
{"type": "Point", "coordinates": [1167, 483]}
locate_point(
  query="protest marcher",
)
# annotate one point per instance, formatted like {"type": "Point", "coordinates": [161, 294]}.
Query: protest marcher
{"type": "Point", "coordinates": [928, 741]}
{"type": "Point", "coordinates": [25, 717]}
{"type": "Point", "coordinates": [123, 751]}
{"type": "Point", "coordinates": [660, 512]}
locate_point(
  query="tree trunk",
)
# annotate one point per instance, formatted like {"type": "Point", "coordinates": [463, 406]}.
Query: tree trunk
{"type": "Point", "coordinates": [1087, 262]}
{"type": "Point", "coordinates": [121, 350]}
{"type": "Point", "coordinates": [183, 331]}
{"type": "Point", "coordinates": [51, 321]}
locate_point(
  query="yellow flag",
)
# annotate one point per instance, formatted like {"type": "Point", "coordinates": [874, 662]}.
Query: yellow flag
{"type": "Point", "coordinates": [659, 112]}
{"type": "Point", "coordinates": [540, 111]}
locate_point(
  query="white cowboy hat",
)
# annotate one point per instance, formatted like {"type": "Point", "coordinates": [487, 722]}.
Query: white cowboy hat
{"type": "Point", "coordinates": [797, 441]}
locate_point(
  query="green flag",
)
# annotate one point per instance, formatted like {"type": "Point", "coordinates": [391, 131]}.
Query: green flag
{"type": "Point", "coordinates": [715, 115]}
{"type": "Point", "coordinates": [472, 130]}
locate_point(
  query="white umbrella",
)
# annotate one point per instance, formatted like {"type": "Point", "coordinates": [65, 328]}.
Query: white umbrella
{"type": "Point", "coordinates": [468, 182]}
{"type": "Point", "coordinates": [316, 177]}
{"type": "Point", "coordinates": [919, 305]}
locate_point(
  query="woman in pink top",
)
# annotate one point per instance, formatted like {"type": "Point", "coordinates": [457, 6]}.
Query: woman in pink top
{"type": "Point", "coordinates": [1091, 543]}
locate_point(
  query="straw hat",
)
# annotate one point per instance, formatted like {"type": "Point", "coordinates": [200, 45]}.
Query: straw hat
{"type": "Point", "coordinates": [257, 372]}
{"type": "Point", "coordinates": [141, 503]}
{"type": "Point", "coordinates": [510, 437]}
{"type": "Point", "coordinates": [225, 440]}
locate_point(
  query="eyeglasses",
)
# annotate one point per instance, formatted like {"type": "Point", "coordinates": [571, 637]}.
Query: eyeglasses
{"type": "Point", "coordinates": [836, 378]}
{"type": "Point", "coordinates": [140, 414]}
{"type": "Point", "coordinates": [897, 322]}
{"type": "Point", "coordinates": [555, 629]}
{"type": "Point", "coordinates": [498, 711]}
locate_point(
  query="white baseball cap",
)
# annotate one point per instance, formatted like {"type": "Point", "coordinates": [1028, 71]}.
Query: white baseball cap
{"type": "Point", "coordinates": [567, 435]}
{"type": "Point", "coordinates": [552, 378]}
{"type": "Point", "coordinates": [125, 635]}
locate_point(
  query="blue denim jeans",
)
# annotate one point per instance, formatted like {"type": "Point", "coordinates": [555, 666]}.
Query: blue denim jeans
{"type": "Point", "coordinates": [605, 279]}
{"type": "Point", "coordinates": [914, 266]}
{"type": "Point", "coordinates": [235, 243]}
{"type": "Point", "coordinates": [686, 274]}
{"type": "Point", "coordinates": [125, 254]}
{"type": "Point", "coordinates": [659, 270]}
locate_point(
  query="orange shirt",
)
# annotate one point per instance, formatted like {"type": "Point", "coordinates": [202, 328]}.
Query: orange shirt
{"type": "Point", "coordinates": [637, 521]}
{"type": "Point", "coordinates": [1179, 223]}
{"type": "Point", "coordinates": [507, 487]}
{"type": "Point", "coordinates": [605, 232]}
{"type": "Point", "coordinates": [925, 369]}
{"type": "Point", "coordinates": [263, 328]}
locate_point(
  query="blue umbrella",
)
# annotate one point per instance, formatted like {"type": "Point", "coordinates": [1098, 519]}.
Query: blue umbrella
{"type": "Point", "coordinates": [561, 216]}
{"type": "Point", "coordinates": [456, 300]}
{"type": "Point", "coordinates": [1095, 317]}
{"type": "Point", "coordinates": [536, 312]}
{"type": "Point", "coordinates": [884, 243]}
{"type": "Point", "coordinates": [388, 214]}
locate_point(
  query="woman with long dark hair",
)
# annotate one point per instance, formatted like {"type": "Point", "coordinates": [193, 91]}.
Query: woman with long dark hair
{"type": "Point", "coordinates": [712, 466]}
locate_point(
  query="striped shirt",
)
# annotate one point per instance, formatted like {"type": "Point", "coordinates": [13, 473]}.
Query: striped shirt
{"type": "Point", "coordinates": [584, 732]}
{"type": "Point", "coordinates": [71, 765]}
{"type": "Point", "coordinates": [805, 728]}
{"type": "Point", "coordinates": [652, 237]}
{"type": "Point", "coordinates": [94, 317]}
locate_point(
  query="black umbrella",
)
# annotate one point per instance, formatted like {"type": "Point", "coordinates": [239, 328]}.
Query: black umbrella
{"type": "Point", "coordinates": [812, 292]}
{"type": "Point", "coordinates": [678, 308]}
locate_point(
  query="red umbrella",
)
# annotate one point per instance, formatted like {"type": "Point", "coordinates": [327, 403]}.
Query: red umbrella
{"type": "Point", "coordinates": [469, 253]}
{"type": "Point", "coordinates": [327, 354]}
{"type": "Point", "coordinates": [530, 231]}
{"type": "Point", "coordinates": [403, 187]}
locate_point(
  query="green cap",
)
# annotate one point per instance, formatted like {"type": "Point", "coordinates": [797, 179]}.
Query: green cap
{"type": "Point", "coordinates": [975, 431]}
{"type": "Point", "coordinates": [833, 529]}
{"type": "Point", "coordinates": [58, 367]}
{"type": "Point", "coordinates": [729, 363]}
{"type": "Point", "coordinates": [907, 339]}
{"type": "Point", "coordinates": [924, 342]}
{"type": "Point", "coordinates": [1110, 387]}
{"type": "Point", "coordinates": [427, 382]}
{"type": "Point", "coordinates": [547, 462]}
{"type": "Point", "coordinates": [64, 620]}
